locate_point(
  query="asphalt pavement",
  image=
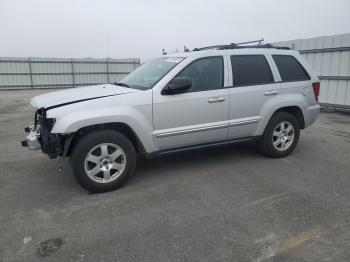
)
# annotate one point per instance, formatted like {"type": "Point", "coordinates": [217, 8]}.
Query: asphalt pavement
{"type": "Point", "coordinates": [223, 204]}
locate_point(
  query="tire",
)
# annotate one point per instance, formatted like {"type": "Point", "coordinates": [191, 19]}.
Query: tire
{"type": "Point", "coordinates": [273, 139]}
{"type": "Point", "coordinates": [103, 160]}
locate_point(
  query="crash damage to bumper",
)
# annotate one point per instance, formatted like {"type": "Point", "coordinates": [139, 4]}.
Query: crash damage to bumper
{"type": "Point", "coordinates": [39, 136]}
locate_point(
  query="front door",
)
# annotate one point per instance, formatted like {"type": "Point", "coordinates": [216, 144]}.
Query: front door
{"type": "Point", "coordinates": [199, 115]}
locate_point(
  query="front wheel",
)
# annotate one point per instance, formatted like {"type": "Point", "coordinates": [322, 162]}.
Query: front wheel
{"type": "Point", "coordinates": [281, 135]}
{"type": "Point", "coordinates": [103, 160]}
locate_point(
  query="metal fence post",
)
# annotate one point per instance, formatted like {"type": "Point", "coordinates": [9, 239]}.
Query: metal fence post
{"type": "Point", "coordinates": [107, 70]}
{"type": "Point", "coordinates": [30, 72]}
{"type": "Point", "coordinates": [73, 76]}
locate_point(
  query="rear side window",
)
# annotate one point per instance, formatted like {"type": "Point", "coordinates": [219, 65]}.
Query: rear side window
{"type": "Point", "coordinates": [290, 69]}
{"type": "Point", "coordinates": [250, 70]}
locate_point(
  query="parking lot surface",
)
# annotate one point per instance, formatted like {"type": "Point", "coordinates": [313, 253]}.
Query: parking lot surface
{"type": "Point", "coordinates": [224, 204]}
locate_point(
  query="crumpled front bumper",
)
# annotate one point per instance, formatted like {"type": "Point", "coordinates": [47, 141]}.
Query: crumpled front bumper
{"type": "Point", "coordinates": [32, 137]}
{"type": "Point", "coordinates": [39, 136]}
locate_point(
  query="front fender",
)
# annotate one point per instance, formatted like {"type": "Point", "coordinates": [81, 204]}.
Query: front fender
{"type": "Point", "coordinates": [275, 103]}
{"type": "Point", "coordinates": [140, 121]}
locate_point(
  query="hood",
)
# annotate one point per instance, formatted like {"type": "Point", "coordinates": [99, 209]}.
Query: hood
{"type": "Point", "coordinates": [68, 96]}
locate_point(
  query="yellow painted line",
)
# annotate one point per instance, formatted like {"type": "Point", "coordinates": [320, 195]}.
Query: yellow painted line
{"type": "Point", "coordinates": [296, 241]}
{"type": "Point", "coordinates": [291, 243]}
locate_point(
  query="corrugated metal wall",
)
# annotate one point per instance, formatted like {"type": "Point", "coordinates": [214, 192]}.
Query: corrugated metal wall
{"type": "Point", "coordinates": [330, 58]}
{"type": "Point", "coordinates": [27, 73]}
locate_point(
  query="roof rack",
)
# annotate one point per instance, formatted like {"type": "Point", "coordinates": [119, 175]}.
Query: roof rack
{"type": "Point", "coordinates": [241, 45]}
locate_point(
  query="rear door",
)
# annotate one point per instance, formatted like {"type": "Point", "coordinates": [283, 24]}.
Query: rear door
{"type": "Point", "coordinates": [253, 84]}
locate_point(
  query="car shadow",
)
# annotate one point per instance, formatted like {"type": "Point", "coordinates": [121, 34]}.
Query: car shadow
{"type": "Point", "coordinates": [148, 170]}
{"type": "Point", "coordinates": [193, 160]}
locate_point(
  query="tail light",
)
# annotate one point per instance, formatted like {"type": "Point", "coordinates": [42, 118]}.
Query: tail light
{"type": "Point", "coordinates": [316, 88]}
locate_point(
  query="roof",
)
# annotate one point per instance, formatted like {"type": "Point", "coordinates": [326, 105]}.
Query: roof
{"type": "Point", "coordinates": [243, 51]}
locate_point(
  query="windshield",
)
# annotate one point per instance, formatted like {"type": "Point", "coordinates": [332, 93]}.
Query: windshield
{"type": "Point", "coordinates": [149, 73]}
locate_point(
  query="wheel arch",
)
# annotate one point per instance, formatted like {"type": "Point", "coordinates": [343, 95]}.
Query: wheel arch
{"type": "Point", "coordinates": [291, 106]}
{"type": "Point", "coordinates": [121, 127]}
{"type": "Point", "coordinates": [295, 111]}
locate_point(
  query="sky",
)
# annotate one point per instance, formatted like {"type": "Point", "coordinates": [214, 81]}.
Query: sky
{"type": "Point", "coordinates": [141, 29]}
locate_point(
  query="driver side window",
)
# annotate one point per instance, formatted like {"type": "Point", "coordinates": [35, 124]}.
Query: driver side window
{"type": "Point", "coordinates": [205, 73]}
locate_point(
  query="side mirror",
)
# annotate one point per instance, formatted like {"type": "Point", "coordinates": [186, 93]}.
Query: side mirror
{"type": "Point", "coordinates": [177, 85]}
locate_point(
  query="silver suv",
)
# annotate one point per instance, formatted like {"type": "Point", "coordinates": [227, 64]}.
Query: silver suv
{"type": "Point", "coordinates": [208, 97]}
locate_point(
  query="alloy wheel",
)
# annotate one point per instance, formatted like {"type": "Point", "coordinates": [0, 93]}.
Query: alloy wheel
{"type": "Point", "coordinates": [105, 162]}
{"type": "Point", "coordinates": [283, 136]}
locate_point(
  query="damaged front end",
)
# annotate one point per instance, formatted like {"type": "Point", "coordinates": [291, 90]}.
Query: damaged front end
{"type": "Point", "coordinates": [39, 136]}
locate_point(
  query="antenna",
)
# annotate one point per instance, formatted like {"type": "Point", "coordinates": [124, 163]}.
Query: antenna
{"type": "Point", "coordinates": [108, 47]}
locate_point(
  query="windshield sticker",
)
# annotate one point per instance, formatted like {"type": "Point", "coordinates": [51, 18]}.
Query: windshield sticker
{"type": "Point", "coordinates": [174, 59]}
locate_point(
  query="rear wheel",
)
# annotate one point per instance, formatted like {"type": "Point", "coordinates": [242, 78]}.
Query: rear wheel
{"type": "Point", "coordinates": [281, 135]}
{"type": "Point", "coordinates": [103, 160]}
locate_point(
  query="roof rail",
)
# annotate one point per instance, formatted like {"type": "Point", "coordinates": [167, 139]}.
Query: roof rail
{"type": "Point", "coordinates": [251, 42]}
{"type": "Point", "coordinates": [241, 46]}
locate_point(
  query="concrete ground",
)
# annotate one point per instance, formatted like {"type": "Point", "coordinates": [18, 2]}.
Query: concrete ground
{"type": "Point", "coordinates": [226, 204]}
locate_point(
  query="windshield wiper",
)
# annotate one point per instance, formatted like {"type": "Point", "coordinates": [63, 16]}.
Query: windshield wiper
{"type": "Point", "coordinates": [121, 84]}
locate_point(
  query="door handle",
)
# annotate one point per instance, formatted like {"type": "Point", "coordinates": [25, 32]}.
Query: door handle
{"type": "Point", "coordinates": [216, 99]}
{"type": "Point", "coordinates": [271, 93]}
